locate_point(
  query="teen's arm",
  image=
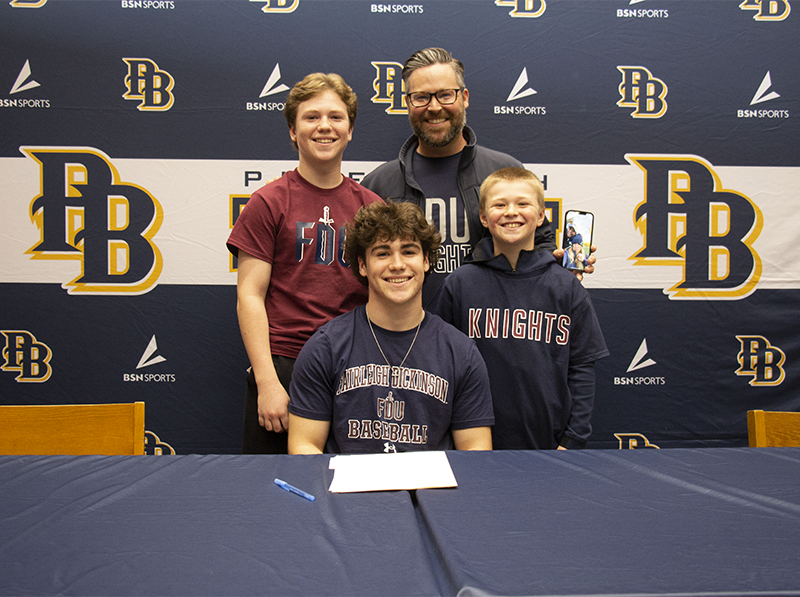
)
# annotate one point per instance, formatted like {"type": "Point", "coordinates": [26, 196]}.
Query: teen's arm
{"type": "Point", "coordinates": [474, 438]}
{"type": "Point", "coordinates": [251, 287]}
{"type": "Point", "coordinates": [307, 436]}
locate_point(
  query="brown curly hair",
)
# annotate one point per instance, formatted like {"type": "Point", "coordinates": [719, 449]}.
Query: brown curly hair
{"type": "Point", "coordinates": [388, 221]}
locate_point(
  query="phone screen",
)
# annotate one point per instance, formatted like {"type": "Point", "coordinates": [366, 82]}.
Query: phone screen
{"type": "Point", "coordinates": [577, 241]}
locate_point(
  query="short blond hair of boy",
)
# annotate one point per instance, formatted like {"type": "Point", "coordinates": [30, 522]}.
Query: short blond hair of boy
{"type": "Point", "coordinates": [513, 175]}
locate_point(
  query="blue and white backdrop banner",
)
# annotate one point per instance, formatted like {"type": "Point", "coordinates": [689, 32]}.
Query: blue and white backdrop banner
{"type": "Point", "coordinates": [134, 131]}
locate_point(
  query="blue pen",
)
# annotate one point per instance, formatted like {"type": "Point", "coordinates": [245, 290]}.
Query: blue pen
{"type": "Point", "coordinates": [284, 485]}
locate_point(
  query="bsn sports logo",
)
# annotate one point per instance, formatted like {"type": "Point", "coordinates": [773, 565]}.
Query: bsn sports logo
{"type": "Point", "coordinates": [27, 356]}
{"type": "Point", "coordinates": [24, 82]}
{"type": "Point", "coordinates": [279, 6]}
{"type": "Point", "coordinates": [85, 213]}
{"type": "Point", "coordinates": [149, 85]}
{"type": "Point", "coordinates": [760, 360]}
{"type": "Point", "coordinates": [524, 8]}
{"type": "Point", "coordinates": [273, 84]}
{"type": "Point", "coordinates": [767, 10]}
{"type": "Point", "coordinates": [764, 93]}
{"type": "Point", "coordinates": [640, 361]}
{"type": "Point", "coordinates": [520, 91]}
{"type": "Point", "coordinates": [150, 357]}
{"type": "Point", "coordinates": [389, 87]}
{"type": "Point", "coordinates": [643, 92]}
{"type": "Point", "coordinates": [642, 13]}
{"type": "Point", "coordinates": [688, 219]}
{"type": "Point", "coordinates": [271, 87]}
{"type": "Point", "coordinates": [517, 92]}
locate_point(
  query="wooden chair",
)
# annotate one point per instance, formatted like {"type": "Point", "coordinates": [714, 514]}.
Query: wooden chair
{"type": "Point", "coordinates": [72, 429]}
{"type": "Point", "coordinates": [770, 429]}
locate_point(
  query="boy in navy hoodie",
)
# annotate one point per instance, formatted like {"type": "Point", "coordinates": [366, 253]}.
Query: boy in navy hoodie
{"type": "Point", "coordinates": [532, 320]}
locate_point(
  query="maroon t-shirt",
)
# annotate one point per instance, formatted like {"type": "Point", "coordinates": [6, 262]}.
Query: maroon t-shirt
{"type": "Point", "coordinates": [299, 229]}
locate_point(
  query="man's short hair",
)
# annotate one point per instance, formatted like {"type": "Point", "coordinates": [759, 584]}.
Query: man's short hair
{"type": "Point", "coordinates": [512, 175]}
{"type": "Point", "coordinates": [429, 57]}
{"type": "Point", "coordinates": [379, 222]}
{"type": "Point", "coordinates": [313, 85]}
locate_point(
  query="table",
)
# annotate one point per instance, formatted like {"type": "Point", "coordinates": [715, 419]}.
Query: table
{"type": "Point", "coordinates": [608, 522]}
{"type": "Point", "coordinates": [200, 525]}
{"type": "Point", "coordinates": [594, 522]}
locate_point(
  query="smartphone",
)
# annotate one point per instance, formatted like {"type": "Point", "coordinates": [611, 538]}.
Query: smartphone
{"type": "Point", "coordinates": [577, 240]}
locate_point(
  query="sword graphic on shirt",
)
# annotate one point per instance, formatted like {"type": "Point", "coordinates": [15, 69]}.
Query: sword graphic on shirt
{"type": "Point", "coordinates": [326, 251]}
{"type": "Point", "coordinates": [326, 221]}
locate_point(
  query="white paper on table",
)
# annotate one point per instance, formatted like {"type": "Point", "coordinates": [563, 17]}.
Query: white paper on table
{"type": "Point", "coordinates": [387, 472]}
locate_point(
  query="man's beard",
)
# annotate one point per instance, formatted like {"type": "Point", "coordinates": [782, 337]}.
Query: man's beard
{"type": "Point", "coordinates": [457, 123]}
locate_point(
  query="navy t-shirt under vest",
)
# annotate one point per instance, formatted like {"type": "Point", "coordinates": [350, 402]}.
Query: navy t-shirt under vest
{"type": "Point", "coordinates": [340, 376]}
{"type": "Point", "coordinates": [444, 207]}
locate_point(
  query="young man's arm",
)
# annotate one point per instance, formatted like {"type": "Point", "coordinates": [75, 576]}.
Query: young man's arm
{"type": "Point", "coordinates": [474, 438]}
{"type": "Point", "coordinates": [251, 288]}
{"type": "Point", "coordinates": [307, 436]}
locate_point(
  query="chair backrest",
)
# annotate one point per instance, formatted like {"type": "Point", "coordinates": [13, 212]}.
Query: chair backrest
{"type": "Point", "coordinates": [72, 429]}
{"type": "Point", "coordinates": [773, 429]}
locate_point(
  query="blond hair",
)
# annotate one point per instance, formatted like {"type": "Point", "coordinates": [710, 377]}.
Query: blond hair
{"type": "Point", "coordinates": [513, 175]}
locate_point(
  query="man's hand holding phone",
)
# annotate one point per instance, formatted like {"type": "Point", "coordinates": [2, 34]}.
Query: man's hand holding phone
{"type": "Point", "coordinates": [576, 247]}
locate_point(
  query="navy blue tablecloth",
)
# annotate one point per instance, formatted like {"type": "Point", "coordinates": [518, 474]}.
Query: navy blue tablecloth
{"type": "Point", "coordinates": [200, 525]}
{"type": "Point", "coordinates": [644, 522]}
{"type": "Point", "coordinates": [716, 521]}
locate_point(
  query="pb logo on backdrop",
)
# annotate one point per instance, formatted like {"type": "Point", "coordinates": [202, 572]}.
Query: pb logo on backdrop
{"type": "Point", "coordinates": [278, 6]}
{"type": "Point", "coordinates": [688, 219]}
{"type": "Point", "coordinates": [524, 8]}
{"type": "Point", "coordinates": [149, 85]}
{"type": "Point", "coordinates": [27, 3]}
{"type": "Point", "coordinates": [389, 87]}
{"type": "Point", "coordinates": [633, 441]}
{"type": "Point", "coordinates": [759, 359]}
{"type": "Point", "coordinates": [643, 92]}
{"type": "Point", "coordinates": [84, 212]}
{"type": "Point", "coordinates": [767, 10]}
{"type": "Point", "coordinates": [27, 356]}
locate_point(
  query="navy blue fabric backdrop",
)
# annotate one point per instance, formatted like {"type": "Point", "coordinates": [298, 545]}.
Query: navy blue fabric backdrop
{"type": "Point", "coordinates": [132, 131]}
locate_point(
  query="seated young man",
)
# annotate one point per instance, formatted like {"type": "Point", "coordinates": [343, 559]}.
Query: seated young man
{"type": "Point", "coordinates": [532, 320]}
{"type": "Point", "coordinates": [388, 376]}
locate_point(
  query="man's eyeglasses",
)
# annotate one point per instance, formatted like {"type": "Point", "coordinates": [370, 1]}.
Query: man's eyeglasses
{"type": "Point", "coordinates": [445, 97]}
